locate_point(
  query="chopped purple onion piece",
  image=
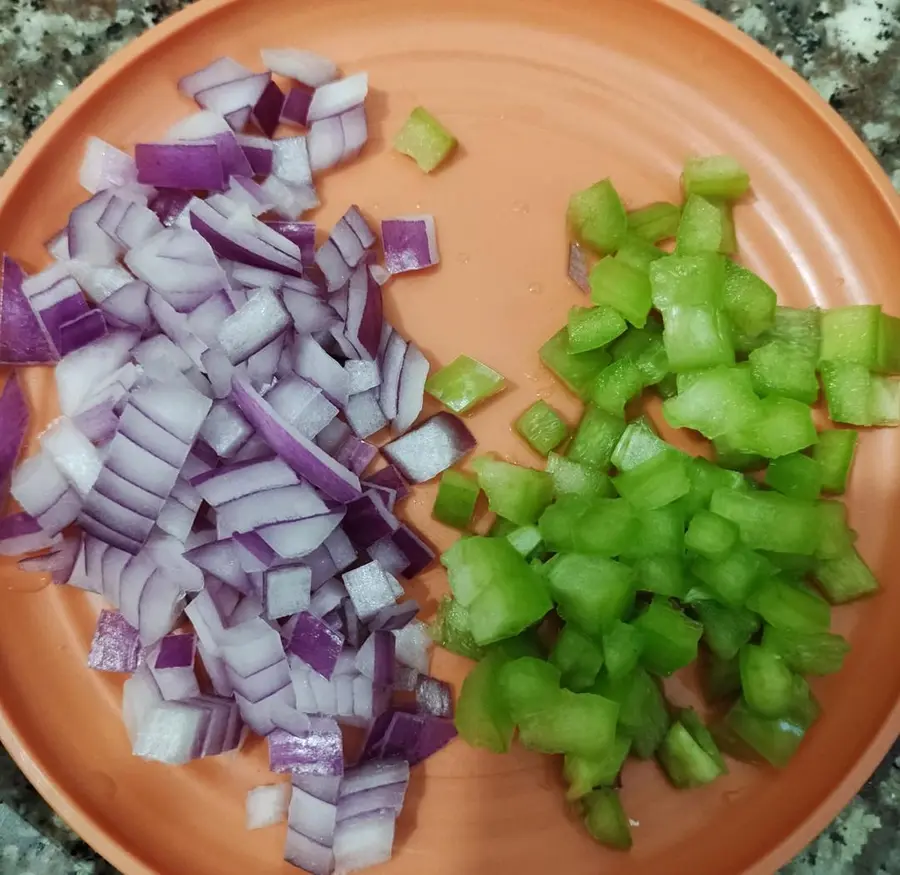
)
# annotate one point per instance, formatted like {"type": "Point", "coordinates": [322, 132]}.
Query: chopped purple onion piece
{"type": "Point", "coordinates": [410, 243]}
{"type": "Point", "coordinates": [176, 651]}
{"type": "Point", "coordinates": [436, 445]}
{"type": "Point", "coordinates": [319, 752]}
{"type": "Point", "coordinates": [116, 646]}
{"type": "Point", "coordinates": [316, 644]}
{"type": "Point", "coordinates": [433, 697]}
{"type": "Point", "coordinates": [370, 590]}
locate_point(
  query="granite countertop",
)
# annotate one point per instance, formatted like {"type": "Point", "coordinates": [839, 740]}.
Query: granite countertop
{"type": "Point", "coordinates": [848, 49]}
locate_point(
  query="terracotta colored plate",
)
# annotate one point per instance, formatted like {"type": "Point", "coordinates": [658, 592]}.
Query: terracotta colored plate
{"type": "Point", "coordinates": [546, 98]}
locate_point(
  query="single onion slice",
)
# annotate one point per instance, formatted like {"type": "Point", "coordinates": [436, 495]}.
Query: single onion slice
{"type": "Point", "coordinates": [295, 109]}
{"type": "Point", "coordinates": [267, 110]}
{"type": "Point", "coordinates": [234, 99]}
{"type": "Point", "coordinates": [105, 166]}
{"type": "Point", "coordinates": [301, 234]}
{"type": "Point", "coordinates": [128, 305]}
{"type": "Point", "coordinates": [82, 330]}
{"type": "Point", "coordinates": [318, 752]}
{"type": "Point", "coordinates": [413, 645]}
{"type": "Point", "coordinates": [253, 326]}
{"type": "Point", "coordinates": [286, 591]}
{"type": "Point", "coordinates": [391, 478]}
{"type": "Point", "coordinates": [395, 617]}
{"type": "Point", "coordinates": [259, 152]}
{"type": "Point", "coordinates": [221, 70]}
{"type": "Point", "coordinates": [411, 389]}
{"type": "Point", "coordinates": [186, 166]}
{"type": "Point", "coordinates": [579, 268]}
{"type": "Point", "coordinates": [410, 243]}
{"type": "Point", "coordinates": [364, 310]}
{"type": "Point", "coordinates": [23, 339]}
{"type": "Point", "coordinates": [370, 590]}
{"type": "Point", "coordinates": [291, 201]}
{"type": "Point", "coordinates": [437, 444]}
{"type": "Point", "coordinates": [14, 415]}
{"type": "Point", "coordinates": [267, 805]}
{"type": "Point", "coordinates": [316, 644]}
{"type": "Point", "coordinates": [375, 659]}
{"type": "Point", "coordinates": [336, 97]}
{"type": "Point", "coordinates": [290, 160]}
{"type": "Point", "coordinates": [433, 697]}
{"type": "Point", "coordinates": [21, 533]}
{"type": "Point", "coordinates": [363, 841]}
{"type": "Point", "coordinates": [169, 203]}
{"type": "Point", "coordinates": [305, 67]}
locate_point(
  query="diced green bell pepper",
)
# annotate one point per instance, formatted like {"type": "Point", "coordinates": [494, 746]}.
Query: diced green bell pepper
{"type": "Point", "coordinates": [773, 739]}
{"type": "Point", "coordinates": [501, 528]}
{"type": "Point", "coordinates": [590, 592]}
{"type": "Point", "coordinates": [720, 678]}
{"type": "Point", "coordinates": [717, 402]}
{"type": "Point", "coordinates": [884, 401]}
{"type": "Point", "coordinates": [578, 658]}
{"type": "Point", "coordinates": [659, 532]}
{"type": "Point", "coordinates": [597, 217]}
{"type": "Point", "coordinates": [637, 252]}
{"type": "Point", "coordinates": [577, 371]}
{"type": "Point", "coordinates": [715, 176]}
{"type": "Point", "coordinates": [697, 337]}
{"type": "Point", "coordinates": [729, 457]}
{"type": "Point", "coordinates": [779, 426]}
{"type": "Point", "coordinates": [606, 820]}
{"type": "Point", "coordinates": [424, 139]}
{"type": "Point", "coordinates": [710, 535]}
{"type": "Point", "coordinates": [526, 540]}
{"type": "Point", "coordinates": [726, 629]}
{"type": "Point", "coordinates": [768, 521]}
{"type": "Point", "coordinates": [845, 578]}
{"type": "Point", "coordinates": [596, 438]}
{"type": "Point", "coordinates": [734, 577]}
{"type": "Point", "coordinates": [888, 345]}
{"type": "Point", "coordinates": [767, 683]}
{"type": "Point", "coordinates": [456, 499]}
{"type": "Point", "coordinates": [602, 527]}
{"type": "Point", "coordinates": [450, 629]}
{"type": "Point", "coordinates": [482, 718]}
{"type": "Point", "coordinates": [834, 453]}
{"type": "Point", "coordinates": [655, 222]}
{"type": "Point", "coordinates": [851, 334]}
{"type": "Point", "coordinates": [815, 653]}
{"type": "Point", "coordinates": [593, 327]}
{"type": "Point", "coordinates": [706, 478]}
{"type": "Point", "coordinates": [790, 608]}
{"type": "Point", "coordinates": [625, 288]}
{"type": "Point", "coordinates": [515, 493]}
{"type": "Point", "coordinates": [685, 762]}
{"type": "Point", "coordinates": [798, 328]}
{"type": "Point", "coordinates": [796, 476]}
{"type": "Point", "coordinates": [643, 714]}
{"type": "Point", "coordinates": [635, 341]}
{"type": "Point", "coordinates": [837, 537]}
{"type": "Point", "coordinates": [583, 775]}
{"type": "Point", "coordinates": [701, 229]}
{"type": "Point", "coordinates": [670, 638]}
{"type": "Point", "coordinates": [583, 724]}
{"type": "Point", "coordinates": [688, 281]}
{"type": "Point", "coordinates": [778, 368]}
{"type": "Point", "coordinates": [622, 645]}
{"type": "Point", "coordinates": [464, 383]}
{"type": "Point", "coordinates": [848, 390]}
{"type": "Point", "coordinates": [542, 427]}
{"type": "Point", "coordinates": [577, 480]}
{"type": "Point", "coordinates": [749, 302]}
{"type": "Point", "coordinates": [528, 686]}
{"type": "Point", "coordinates": [616, 385]}
{"type": "Point", "coordinates": [656, 482]}
{"type": "Point", "coordinates": [638, 443]}
{"type": "Point", "coordinates": [663, 575]}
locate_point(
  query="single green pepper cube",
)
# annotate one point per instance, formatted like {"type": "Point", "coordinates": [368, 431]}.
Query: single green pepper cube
{"type": "Point", "coordinates": [471, 564]}
{"type": "Point", "coordinates": [524, 644]}
{"type": "Point", "coordinates": [638, 443]}
{"type": "Point", "coordinates": [845, 578]}
{"type": "Point", "coordinates": [717, 402]}
{"type": "Point", "coordinates": [578, 480]}
{"type": "Point", "coordinates": [691, 721]}
{"type": "Point", "coordinates": [793, 565]}
{"type": "Point", "coordinates": [616, 385]}
{"type": "Point", "coordinates": [767, 683]}
{"type": "Point", "coordinates": [655, 222]}
{"type": "Point", "coordinates": [667, 386]}
{"type": "Point", "coordinates": [768, 521]}
{"type": "Point", "coordinates": [597, 217]}
{"type": "Point", "coordinates": [776, 740]}
{"type": "Point", "coordinates": [715, 176]}
{"type": "Point", "coordinates": [815, 653]}
{"type": "Point", "coordinates": [515, 493]}
{"type": "Point", "coordinates": [583, 775]}
{"type": "Point", "coordinates": [656, 482]}
{"type": "Point", "coordinates": [509, 606]}
{"type": "Point", "coordinates": [684, 761]}
{"type": "Point", "coordinates": [450, 629]}
{"type": "Point", "coordinates": [706, 478]}
{"type": "Point", "coordinates": [726, 629]}
{"type": "Point", "coordinates": [701, 228]}
{"type": "Point", "coordinates": [836, 536]}
{"type": "Point", "coordinates": [728, 456]}
{"type": "Point", "coordinates": [602, 527]}
{"type": "Point", "coordinates": [622, 645]}
{"type": "Point", "coordinates": [653, 362]}
{"type": "Point", "coordinates": [638, 253]}
{"type": "Point", "coordinates": [578, 658]}
{"type": "Point", "coordinates": [542, 427]}
{"type": "Point", "coordinates": [790, 608]}
{"type": "Point", "coordinates": [643, 713]}
{"type": "Point", "coordinates": [424, 139]}
{"type": "Point", "coordinates": [710, 535]}
{"type": "Point", "coordinates": [888, 345]}
{"type": "Point", "coordinates": [749, 301]}
{"type": "Point", "coordinates": [851, 334]}
{"type": "Point", "coordinates": [848, 389]}
{"type": "Point", "coordinates": [663, 575]}
{"type": "Point", "coordinates": [796, 476]}
{"type": "Point", "coordinates": [798, 328]}
{"type": "Point", "coordinates": [577, 371]}
{"type": "Point", "coordinates": [502, 528]}
{"type": "Point", "coordinates": [526, 541]}
{"type": "Point", "coordinates": [696, 338]}
{"type": "Point", "coordinates": [464, 383]}
{"type": "Point", "coordinates": [670, 638]}
{"type": "Point", "coordinates": [777, 368]}
{"type": "Point", "coordinates": [528, 686]}
{"type": "Point", "coordinates": [720, 678]}
{"type": "Point", "coordinates": [482, 718]}
{"type": "Point", "coordinates": [834, 453]}
{"type": "Point", "coordinates": [688, 281]}
{"type": "Point", "coordinates": [596, 438]}
{"type": "Point", "coordinates": [635, 341]}
{"type": "Point", "coordinates": [729, 232]}
{"type": "Point", "coordinates": [622, 287]}
{"type": "Point", "coordinates": [659, 532]}
{"type": "Point", "coordinates": [606, 821]}
{"type": "Point", "coordinates": [590, 592]}
{"type": "Point", "coordinates": [779, 427]}
{"type": "Point", "coordinates": [456, 498]}
{"type": "Point", "coordinates": [593, 327]}
{"type": "Point", "coordinates": [583, 724]}
{"type": "Point", "coordinates": [884, 401]}
{"type": "Point", "coordinates": [733, 578]}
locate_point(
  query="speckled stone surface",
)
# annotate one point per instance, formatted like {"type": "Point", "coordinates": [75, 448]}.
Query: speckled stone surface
{"type": "Point", "coordinates": [848, 49]}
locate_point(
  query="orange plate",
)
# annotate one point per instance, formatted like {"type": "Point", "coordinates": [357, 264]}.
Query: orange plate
{"type": "Point", "coordinates": [545, 99]}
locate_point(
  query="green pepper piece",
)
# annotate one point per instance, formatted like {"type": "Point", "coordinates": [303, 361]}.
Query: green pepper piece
{"type": "Point", "coordinates": [663, 575]}
{"type": "Point", "coordinates": [888, 345]}
{"type": "Point", "coordinates": [603, 527]}
{"type": "Point", "coordinates": [790, 608]}
{"type": "Point", "coordinates": [502, 528]}
{"type": "Point", "coordinates": [638, 443]}
{"type": "Point", "coordinates": [464, 383]}
{"type": "Point", "coordinates": [726, 629]}
{"type": "Point", "coordinates": [686, 281]}
{"type": "Point", "coordinates": [815, 653]}
{"type": "Point", "coordinates": [845, 578]}
{"type": "Point", "coordinates": [577, 480]}
{"type": "Point", "coordinates": [697, 337]}
{"type": "Point", "coordinates": [768, 521]}
{"type": "Point", "coordinates": [528, 686]}
{"type": "Point", "coordinates": [593, 327]}
{"type": "Point", "coordinates": [655, 222]}
{"type": "Point", "coordinates": [715, 176]}
{"type": "Point", "coordinates": [591, 592]}
{"type": "Point", "coordinates": [597, 217]}
{"type": "Point", "coordinates": [578, 658]}
{"type": "Point", "coordinates": [710, 535]}
{"type": "Point", "coordinates": [795, 327]}
{"type": "Point", "coordinates": [424, 139]}
{"type": "Point", "coordinates": [734, 577]}
{"type": "Point", "coordinates": [616, 385]}
{"type": "Point", "coordinates": [659, 532]}
{"type": "Point", "coordinates": [848, 390]}
{"type": "Point", "coordinates": [851, 334]}
{"type": "Point", "coordinates": [834, 453]}
{"type": "Point", "coordinates": [482, 718]}
{"type": "Point", "coordinates": [698, 730]}
{"type": "Point", "coordinates": [706, 478]}
{"type": "Point", "coordinates": [542, 427]}
{"type": "Point", "coordinates": [626, 289]}
{"type": "Point", "coordinates": [456, 498]}
{"type": "Point", "coordinates": [596, 437]}
{"type": "Point", "coordinates": [796, 476]}
{"type": "Point", "coordinates": [513, 492]}
{"type": "Point", "coordinates": [884, 401]}
{"type": "Point", "coordinates": [779, 368]}
{"type": "Point", "coordinates": [776, 740]}
{"type": "Point", "coordinates": [656, 482]}
{"type": "Point", "coordinates": [717, 402]}
{"type": "Point", "coordinates": [767, 683]}
{"type": "Point", "coordinates": [701, 229]}
{"type": "Point", "coordinates": [749, 302]}
{"type": "Point", "coordinates": [778, 427]}
{"type": "Point", "coordinates": [577, 371]}
{"type": "Point", "coordinates": [583, 724]}
{"type": "Point", "coordinates": [583, 775]}
{"type": "Point", "coordinates": [527, 542]}
{"type": "Point", "coordinates": [622, 645]}
{"type": "Point", "coordinates": [643, 713]}
{"type": "Point", "coordinates": [670, 638]}
{"type": "Point", "coordinates": [720, 678]}
{"type": "Point", "coordinates": [684, 761]}
{"type": "Point", "coordinates": [450, 629]}
{"type": "Point", "coordinates": [606, 820]}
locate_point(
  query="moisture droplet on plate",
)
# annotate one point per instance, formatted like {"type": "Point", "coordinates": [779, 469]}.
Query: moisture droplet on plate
{"type": "Point", "coordinates": [535, 289]}
{"type": "Point", "coordinates": [520, 207]}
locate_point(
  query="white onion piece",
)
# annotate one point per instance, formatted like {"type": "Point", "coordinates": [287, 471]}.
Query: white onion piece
{"type": "Point", "coordinates": [248, 330]}
{"type": "Point", "coordinates": [80, 373]}
{"type": "Point", "coordinates": [339, 96]}
{"type": "Point", "coordinates": [305, 67]}
{"type": "Point", "coordinates": [364, 841]}
{"type": "Point", "coordinates": [370, 590]}
{"type": "Point", "coordinates": [286, 591]}
{"type": "Point", "coordinates": [105, 166]}
{"type": "Point", "coordinates": [73, 454]}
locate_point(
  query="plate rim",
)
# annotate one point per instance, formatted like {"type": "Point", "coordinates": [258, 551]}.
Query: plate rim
{"type": "Point", "coordinates": [86, 827]}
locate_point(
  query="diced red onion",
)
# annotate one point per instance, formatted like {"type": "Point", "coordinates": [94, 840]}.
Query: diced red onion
{"type": "Point", "coordinates": [291, 201]}
{"type": "Point", "coordinates": [73, 454]}
{"type": "Point", "coordinates": [391, 373]}
{"type": "Point", "coordinates": [225, 429]}
{"type": "Point", "coordinates": [290, 161]}
{"type": "Point", "coordinates": [433, 697]}
{"type": "Point", "coordinates": [23, 339]}
{"type": "Point", "coordinates": [410, 243]}
{"type": "Point", "coordinates": [297, 538]}
{"type": "Point", "coordinates": [364, 413]}
{"type": "Point", "coordinates": [423, 453]}
{"type": "Point", "coordinates": [413, 646]}
{"type": "Point", "coordinates": [267, 111]}
{"type": "Point", "coordinates": [186, 166]}
{"type": "Point", "coordinates": [267, 805]}
{"type": "Point", "coordinates": [308, 855]}
{"type": "Point", "coordinates": [369, 590]}
{"type": "Point", "coordinates": [128, 304]}
{"type": "Point", "coordinates": [390, 478]}
{"type": "Point", "coordinates": [343, 553]}
{"type": "Point", "coordinates": [364, 313]}
{"type": "Point", "coordinates": [286, 591]}
{"type": "Point", "coordinates": [316, 644]}
{"type": "Point", "coordinates": [305, 67]}
{"type": "Point", "coordinates": [336, 97]}
{"type": "Point", "coordinates": [218, 72]}
{"type": "Point", "coordinates": [105, 166]}
{"type": "Point", "coordinates": [234, 99]}
{"type": "Point", "coordinates": [256, 324]}
{"type": "Point", "coordinates": [411, 391]}
{"type": "Point", "coordinates": [88, 242]}
{"type": "Point", "coordinates": [259, 153]}
{"type": "Point", "coordinates": [79, 332]}
{"type": "Point", "coordinates": [364, 841]}
{"type": "Point", "coordinates": [115, 646]}
{"type": "Point", "coordinates": [319, 752]}
{"type": "Point", "coordinates": [375, 659]}
{"type": "Point", "coordinates": [356, 454]}
{"type": "Point", "coordinates": [394, 617]}
{"type": "Point", "coordinates": [295, 108]}
{"type": "Point", "coordinates": [302, 234]}
{"type": "Point", "coordinates": [15, 417]}
{"type": "Point", "coordinates": [368, 520]}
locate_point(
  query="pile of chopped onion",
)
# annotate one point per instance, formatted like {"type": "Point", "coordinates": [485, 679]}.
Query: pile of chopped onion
{"type": "Point", "coordinates": [221, 379]}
